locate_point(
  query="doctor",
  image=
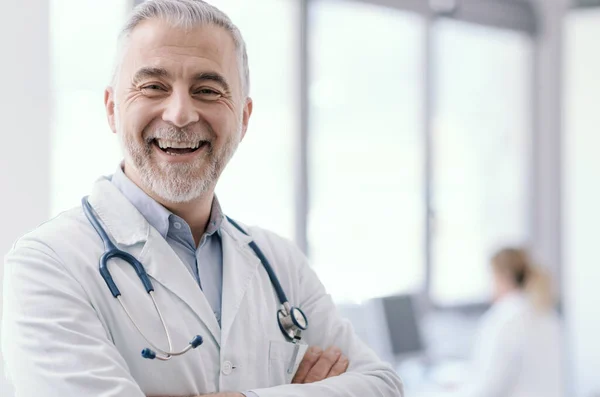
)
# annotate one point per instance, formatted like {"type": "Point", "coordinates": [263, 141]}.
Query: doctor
{"type": "Point", "coordinates": [517, 351]}
{"type": "Point", "coordinates": [204, 286]}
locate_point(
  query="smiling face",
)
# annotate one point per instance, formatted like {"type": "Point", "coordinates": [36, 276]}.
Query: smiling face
{"type": "Point", "coordinates": [178, 108]}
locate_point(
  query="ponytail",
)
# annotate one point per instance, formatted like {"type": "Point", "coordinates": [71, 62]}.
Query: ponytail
{"type": "Point", "coordinates": [538, 287]}
{"type": "Point", "coordinates": [515, 264]}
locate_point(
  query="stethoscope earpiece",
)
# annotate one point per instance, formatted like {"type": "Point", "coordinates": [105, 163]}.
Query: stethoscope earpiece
{"type": "Point", "coordinates": [197, 341]}
{"type": "Point", "coordinates": [149, 354]}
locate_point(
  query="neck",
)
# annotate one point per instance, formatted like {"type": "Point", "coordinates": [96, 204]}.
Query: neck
{"type": "Point", "coordinates": [506, 292]}
{"type": "Point", "coordinates": [195, 213]}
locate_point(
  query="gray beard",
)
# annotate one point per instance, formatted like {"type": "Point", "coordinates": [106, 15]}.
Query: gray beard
{"type": "Point", "coordinates": [178, 183]}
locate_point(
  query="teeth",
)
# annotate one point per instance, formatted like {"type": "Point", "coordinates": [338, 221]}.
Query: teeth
{"type": "Point", "coordinates": [165, 144]}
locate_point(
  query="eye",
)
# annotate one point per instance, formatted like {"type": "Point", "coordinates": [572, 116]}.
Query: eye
{"type": "Point", "coordinates": [153, 87]}
{"type": "Point", "coordinates": [207, 93]}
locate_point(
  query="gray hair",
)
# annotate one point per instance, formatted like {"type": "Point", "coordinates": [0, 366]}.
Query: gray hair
{"type": "Point", "coordinates": [186, 14]}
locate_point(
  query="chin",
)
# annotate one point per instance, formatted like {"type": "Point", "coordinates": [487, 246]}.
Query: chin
{"type": "Point", "coordinates": [175, 185]}
{"type": "Point", "coordinates": [182, 192]}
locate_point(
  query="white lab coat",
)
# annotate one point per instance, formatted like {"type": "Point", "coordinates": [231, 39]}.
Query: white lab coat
{"type": "Point", "coordinates": [517, 352]}
{"type": "Point", "coordinates": [63, 333]}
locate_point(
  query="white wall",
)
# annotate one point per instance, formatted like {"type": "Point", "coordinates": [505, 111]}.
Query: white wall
{"type": "Point", "coordinates": [582, 199]}
{"type": "Point", "coordinates": [25, 121]}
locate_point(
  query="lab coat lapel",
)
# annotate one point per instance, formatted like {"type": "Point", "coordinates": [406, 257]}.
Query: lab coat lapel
{"type": "Point", "coordinates": [164, 266]}
{"type": "Point", "coordinates": [128, 227]}
{"type": "Point", "coordinates": [240, 265]}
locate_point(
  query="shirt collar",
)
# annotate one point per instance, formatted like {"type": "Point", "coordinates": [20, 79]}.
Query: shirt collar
{"type": "Point", "coordinates": [216, 218]}
{"type": "Point", "coordinates": [157, 215]}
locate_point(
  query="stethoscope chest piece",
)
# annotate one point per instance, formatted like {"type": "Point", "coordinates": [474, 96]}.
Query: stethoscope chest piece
{"type": "Point", "coordinates": [291, 321]}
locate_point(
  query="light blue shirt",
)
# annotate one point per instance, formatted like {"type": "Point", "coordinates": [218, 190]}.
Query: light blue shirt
{"type": "Point", "coordinates": [204, 262]}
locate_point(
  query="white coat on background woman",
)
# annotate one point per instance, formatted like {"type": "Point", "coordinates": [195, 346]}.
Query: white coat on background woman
{"type": "Point", "coordinates": [518, 349]}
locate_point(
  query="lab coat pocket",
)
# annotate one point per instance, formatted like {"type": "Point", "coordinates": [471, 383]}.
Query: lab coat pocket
{"type": "Point", "coordinates": [281, 368]}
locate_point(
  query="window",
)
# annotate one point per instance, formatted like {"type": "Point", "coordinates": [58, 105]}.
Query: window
{"type": "Point", "coordinates": [480, 154]}
{"type": "Point", "coordinates": [82, 54]}
{"type": "Point", "coordinates": [257, 187]}
{"type": "Point", "coordinates": [366, 235]}
{"type": "Point", "coordinates": [367, 157]}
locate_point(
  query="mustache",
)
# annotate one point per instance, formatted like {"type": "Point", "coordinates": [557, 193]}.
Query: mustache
{"type": "Point", "coordinates": [185, 134]}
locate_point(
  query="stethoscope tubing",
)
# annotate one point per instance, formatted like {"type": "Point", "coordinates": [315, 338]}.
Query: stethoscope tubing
{"type": "Point", "coordinates": [111, 251]}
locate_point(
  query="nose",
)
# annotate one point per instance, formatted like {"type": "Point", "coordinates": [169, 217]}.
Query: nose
{"type": "Point", "coordinates": [180, 110]}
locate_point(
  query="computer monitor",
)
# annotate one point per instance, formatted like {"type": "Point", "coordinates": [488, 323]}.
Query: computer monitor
{"type": "Point", "coordinates": [403, 325]}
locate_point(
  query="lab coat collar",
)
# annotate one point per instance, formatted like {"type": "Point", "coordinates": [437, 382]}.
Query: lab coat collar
{"type": "Point", "coordinates": [240, 238]}
{"type": "Point", "coordinates": [127, 227]}
{"type": "Point", "coordinates": [124, 223]}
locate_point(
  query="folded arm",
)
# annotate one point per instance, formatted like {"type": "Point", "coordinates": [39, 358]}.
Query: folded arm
{"type": "Point", "coordinates": [366, 374]}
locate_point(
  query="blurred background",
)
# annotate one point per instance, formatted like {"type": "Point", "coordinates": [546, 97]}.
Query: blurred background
{"type": "Point", "coordinates": [399, 143]}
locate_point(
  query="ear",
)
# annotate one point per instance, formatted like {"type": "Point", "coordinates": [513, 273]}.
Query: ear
{"type": "Point", "coordinates": [109, 104]}
{"type": "Point", "coordinates": [246, 116]}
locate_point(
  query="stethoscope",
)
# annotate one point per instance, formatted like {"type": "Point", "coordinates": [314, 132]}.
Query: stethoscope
{"type": "Point", "coordinates": [292, 321]}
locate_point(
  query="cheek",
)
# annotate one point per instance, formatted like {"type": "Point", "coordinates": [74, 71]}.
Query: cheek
{"type": "Point", "coordinates": [139, 116]}
{"type": "Point", "coordinates": [223, 121]}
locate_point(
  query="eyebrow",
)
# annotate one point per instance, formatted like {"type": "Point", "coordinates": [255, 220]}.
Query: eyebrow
{"type": "Point", "coordinates": [213, 76]}
{"type": "Point", "coordinates": [148, 73]}
{"type": "Point", "coordinates": [153, 72]}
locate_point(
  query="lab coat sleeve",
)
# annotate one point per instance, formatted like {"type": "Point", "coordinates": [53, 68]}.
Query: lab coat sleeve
{"type": "Point", "coordinates": [53, 342]}
{"type": "Point", "coordinates": [367, 375]}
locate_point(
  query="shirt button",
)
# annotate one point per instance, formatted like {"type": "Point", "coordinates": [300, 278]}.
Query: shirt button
{"type": "Point", "coordinates": [177, 225]}
{"type": "Point", "coordinates": [227, 368]}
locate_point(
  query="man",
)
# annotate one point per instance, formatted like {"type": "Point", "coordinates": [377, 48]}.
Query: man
{"type": "Point", "coordinates": [180, 106]}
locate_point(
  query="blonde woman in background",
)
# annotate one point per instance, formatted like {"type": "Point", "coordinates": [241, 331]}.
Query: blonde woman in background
{"type": "Point", "coordinates": [518, 349]}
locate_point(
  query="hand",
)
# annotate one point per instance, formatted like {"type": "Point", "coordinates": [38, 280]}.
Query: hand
{"type": "Point", "coordinates": [318, 365]}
